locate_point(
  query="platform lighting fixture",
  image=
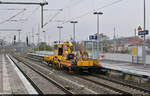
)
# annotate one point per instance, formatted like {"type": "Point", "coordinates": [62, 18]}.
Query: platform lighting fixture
{"type": "Point", "coordinates": [98, 13]}
{"type": "Point", "coordinates": [73, 22]}
{"type": "Point", "coordinates": [59, 27]}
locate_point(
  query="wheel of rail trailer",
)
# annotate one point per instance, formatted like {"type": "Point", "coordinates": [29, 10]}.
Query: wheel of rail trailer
{"type": "Point", "coordinates": [94, 70]}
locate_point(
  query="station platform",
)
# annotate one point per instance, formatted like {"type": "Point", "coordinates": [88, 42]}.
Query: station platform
{"type": "Point", "coordinates": [127, 67]}
{"type": "Point", "coordinates": [12, 80]}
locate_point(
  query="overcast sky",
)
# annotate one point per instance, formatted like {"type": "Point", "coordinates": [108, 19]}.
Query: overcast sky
{"type": "Point", "coordinates": [125, 16]}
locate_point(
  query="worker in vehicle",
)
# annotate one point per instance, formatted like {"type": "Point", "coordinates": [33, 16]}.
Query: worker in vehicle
{"type": "Point", "coordinates": [60, 50]}
{"type": "Point", "coordinates": [85, 55]}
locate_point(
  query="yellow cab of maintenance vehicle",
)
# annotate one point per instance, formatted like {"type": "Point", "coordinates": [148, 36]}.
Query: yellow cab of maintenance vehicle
{"type": "Point", "coordinates": [59, 52]}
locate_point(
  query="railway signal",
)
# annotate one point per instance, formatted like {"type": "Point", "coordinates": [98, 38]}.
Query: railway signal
{"type": "Point", "coordinates": [27, 40]}
{"type": "Point", "coordinates": [14, 39]}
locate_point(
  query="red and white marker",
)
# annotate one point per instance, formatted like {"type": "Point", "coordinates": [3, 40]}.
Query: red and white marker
{"type": "Point", "coordinates": [101, 56]}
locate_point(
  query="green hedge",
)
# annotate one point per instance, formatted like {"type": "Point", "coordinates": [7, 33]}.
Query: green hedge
{"type": "Point", "coordinates": [43, 47]}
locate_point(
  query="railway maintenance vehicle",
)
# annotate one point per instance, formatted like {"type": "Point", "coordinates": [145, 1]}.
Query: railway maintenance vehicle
{"type": "Point", "coordinates": [66, 58]}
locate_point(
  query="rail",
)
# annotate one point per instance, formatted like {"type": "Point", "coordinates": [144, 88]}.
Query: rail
{"type": "Point", "coordinates": [28, 78]}
{"type": "Point", "coordinates": [44, 76]}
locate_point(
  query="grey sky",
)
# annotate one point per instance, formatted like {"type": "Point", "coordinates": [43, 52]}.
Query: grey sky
{"type": "Point", "coordinates": [125, 16]}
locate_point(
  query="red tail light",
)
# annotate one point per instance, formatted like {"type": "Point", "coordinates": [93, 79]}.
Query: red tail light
{"type": "Point", "coordinates": [99, 64]}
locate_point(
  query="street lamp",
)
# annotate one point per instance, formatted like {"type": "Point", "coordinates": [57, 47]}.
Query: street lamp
{"type": "Point", "coordinates": [59, 27]}
{"type": "Point", "coordinates": [98, 13]}
{"type": "Point", "coordinates": [73, 22]}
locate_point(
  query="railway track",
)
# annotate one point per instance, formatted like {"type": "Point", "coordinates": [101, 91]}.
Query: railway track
{"type": "Point", "coordinates": [123, 89]}
{"type": "Point", "coordinates": [71, 82]}
{"type": "Point", "coordinates": [121, 83]}
{"type": "Point", "coordinates": [28, 78]}
{"type": "Point", "coordinates": [66, 91]}
{"type": "Point", "coordinates": [114, 85]}
{"type": "Point", "coordinates": [104, 84]}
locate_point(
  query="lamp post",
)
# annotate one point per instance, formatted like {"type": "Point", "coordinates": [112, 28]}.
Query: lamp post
{"type": "Point", "coordinates": [98, 13]}
{"type": "Point", "coordinates": [44, 40]}
{"type": "Point", "coordinates": [37, 34]}
{"type": "Point", "coordinates": [19, 37]}
{"type": "Point", "coordinates": [144, 53]}
{"type": "Point", "coordinates": [59, 27]}
{"type": "Point", "coordinates": [73, 22]}
{"type": "Point", "coordinates": [38, 37]}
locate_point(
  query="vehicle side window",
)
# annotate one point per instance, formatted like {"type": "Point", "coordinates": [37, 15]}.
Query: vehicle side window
{"type": "Point", "coordinates": [60, 51]}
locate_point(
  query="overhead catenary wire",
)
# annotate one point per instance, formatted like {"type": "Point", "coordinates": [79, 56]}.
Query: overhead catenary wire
{"type": "Point", "coordinates": [52, 9]}
{"type": "Point", "coordinates": [29, 16]}
{"type": "Point", "coordinates": [12, 17]}
{"type": "Point", "coordinates": [26, 19]}
{"type": "Point", "coordinates": [32, 13]}
{"type": "Point", "coordinates": [73, 4]}
{"type": "Point", "coordinates": [65, 7]}
{"type": "Point", "coordinates": [51, 19]}
{"type": "Point", "coordinates": [87, 13]}
{"type": "Point", "coordinates": [13, 9]}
